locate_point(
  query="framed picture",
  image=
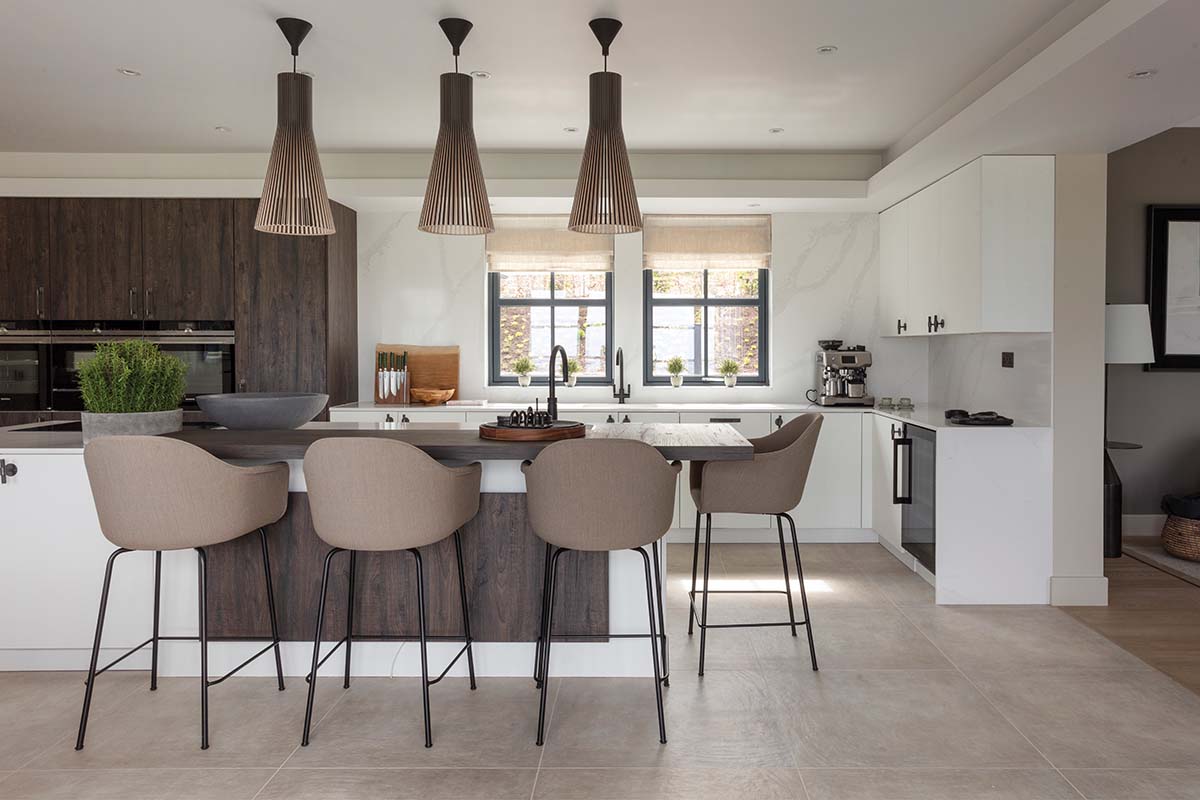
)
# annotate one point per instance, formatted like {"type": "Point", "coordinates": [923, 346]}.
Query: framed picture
{"type": "Point", "coordinates": [1173, 285]}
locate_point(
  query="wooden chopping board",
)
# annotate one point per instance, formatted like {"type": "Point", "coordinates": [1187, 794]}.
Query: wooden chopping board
{"type": "Point", "coordinates": [428, 367]}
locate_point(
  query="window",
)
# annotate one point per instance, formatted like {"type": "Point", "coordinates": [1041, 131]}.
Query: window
{"type": "Point", "coordinates": [548, 286]}
{"type": "Point", "coordinates": [705, 288]}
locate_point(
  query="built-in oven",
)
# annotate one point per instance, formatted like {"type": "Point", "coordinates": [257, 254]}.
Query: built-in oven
{"type": "Point", "coordinates": [914, 463]}
{"type": "Point", "coordinates": [24, 366]}
{"type": "Point", "coordinates": [207, 348]}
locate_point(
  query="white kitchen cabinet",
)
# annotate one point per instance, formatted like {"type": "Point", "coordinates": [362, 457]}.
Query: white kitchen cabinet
{"type": "Point", "coordinates": [885, 515]}
{"type": "Point", "coordinates": [833, 494]}
{"type": "Point", "coordinates": [893, 272]}
{"type": "Point", "coordinates": [973, 252]}
{"type": "Point", "coordinates": [750, 426]}
{"type": "Point", "coordinates": [398, 414]}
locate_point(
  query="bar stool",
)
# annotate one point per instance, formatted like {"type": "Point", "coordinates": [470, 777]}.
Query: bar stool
{"type": "Point", "coordinates": [599, 495]}
{"type": "Point", "coordinates": [355, 486]}
{"type": "Point", "coordinates": [771, 483]}
{"type": "Point", "coordinates": [153, 493]}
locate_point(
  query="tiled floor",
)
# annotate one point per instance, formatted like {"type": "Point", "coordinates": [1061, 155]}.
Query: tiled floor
{"type": "Point", "coordinates": [913, 702]}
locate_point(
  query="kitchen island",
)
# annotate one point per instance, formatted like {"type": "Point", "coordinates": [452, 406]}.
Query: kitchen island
{"type": "Point", "coordinates": [56, 555]}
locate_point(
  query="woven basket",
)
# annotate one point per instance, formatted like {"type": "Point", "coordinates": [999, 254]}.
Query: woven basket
{"type": "Point", "coordinates": [1181, 537]}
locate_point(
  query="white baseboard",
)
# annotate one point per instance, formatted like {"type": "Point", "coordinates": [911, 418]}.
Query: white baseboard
{"type": "Point", "coordinates": [1142, 524]}
{"type": "Point", "coordinates": [766, 535]}
{"type": "Point", "coordinates": [1082, 590]}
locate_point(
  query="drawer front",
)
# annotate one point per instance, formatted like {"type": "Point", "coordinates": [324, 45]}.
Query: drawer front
{"type": "Point", "coordinates": [833, 493]}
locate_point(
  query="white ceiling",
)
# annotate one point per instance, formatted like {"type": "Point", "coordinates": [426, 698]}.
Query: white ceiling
{"type": "Point", "coordinates": [699, 76]}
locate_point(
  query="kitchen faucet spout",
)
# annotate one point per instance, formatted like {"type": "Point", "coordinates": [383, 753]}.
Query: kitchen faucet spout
{"type": "Point", "coordinates": [552, 401]}
{"type": "Point", "coordinates": [621, 391]}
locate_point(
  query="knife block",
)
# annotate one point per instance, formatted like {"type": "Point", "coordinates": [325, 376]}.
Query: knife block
{"type": "Point", "coordinates": [428, 368]}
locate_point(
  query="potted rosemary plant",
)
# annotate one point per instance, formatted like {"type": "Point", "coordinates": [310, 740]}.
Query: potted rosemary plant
{"type": "Point", "coordinates": [523, 366]}
{"type": "Point", "coordinates": [573, 370]}
{"type": "Point", "coordinates": [131, 388]}
{"type": "Point", "coordinates": [728, 368]}
{"type": "Point", "coordinates": [675, 370]}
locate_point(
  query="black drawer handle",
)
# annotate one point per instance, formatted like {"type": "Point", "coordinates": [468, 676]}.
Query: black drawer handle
{"type": "Point", "coordinates": [7, 470]}
{"type": "Point", "coordinates": [610, 418]}
{"type": "Point", "coordinates": [404, 418]}
{"type": "Point", "coordinates": [724, 419]}
{"type": "Point", "coordinates": [389, 418]}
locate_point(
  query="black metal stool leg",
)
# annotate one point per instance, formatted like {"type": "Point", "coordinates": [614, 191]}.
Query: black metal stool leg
{"type": "Point", "coordinates": [704, 603]}
{"type": "Point", "coordinates": [812, 649]}
{"type": "Point", "coordinates": [545, 667]}
{"type": "Point", "coordinates": [662, 725]}
{"type": "Point", "coordinates": [154, 633]}
{"type": "Point", "coordinates": [202, 576]}
{"type": "Point", "coordinates": [349, 618]}
{"type": "Point", "coordinates": [312, 676]}
{"type": "Point", "coordinates": [466, 615]}
{"type": "Point", "coordinates": [424, 654]}
{"type": "Point", "coordinates": [262, 538]}
{"type": "Point", "coordinates": [662, 621]}
{"type": "Point", "coordinates": [541, 640]}
{"type": "Point", "coordinates": [787, 582]}
{"type": "Point", "coordinates": [692, 593]}
{"type": "Point", "coordinates": [91, 678]}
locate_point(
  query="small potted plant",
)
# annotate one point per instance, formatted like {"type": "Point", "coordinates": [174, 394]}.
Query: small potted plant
{"type": "Point", "coordinates": [728, 368]}
{"type": "Point", "coordinates": [131, 388]}
{"type": "Point", "coordinates": [523, 366]}
{"type": "Point", "coordinates": [573, 370]}
{"type": "Point", "coordinates": [675, 370]}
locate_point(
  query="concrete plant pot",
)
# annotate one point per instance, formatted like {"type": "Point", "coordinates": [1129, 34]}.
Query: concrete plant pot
{"type": "Point", "coordinates": [524, 380]}
{"type": "Point", "coordinates": [571, 380]}
{"type": "Point", "coordinates": [143, 423]}
{"type": "Point", "coordinates": [731, 381]}
{"type": "Point", "coordinates": [677, 381]}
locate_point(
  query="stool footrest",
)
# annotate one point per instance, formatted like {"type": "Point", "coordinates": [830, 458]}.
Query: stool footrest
{"type": "Point", "coordinates": [239, 667]}
{"type": "Point", "coordinates": [453, 661]}
{"type": "Point", "coordinates": [745, 624]}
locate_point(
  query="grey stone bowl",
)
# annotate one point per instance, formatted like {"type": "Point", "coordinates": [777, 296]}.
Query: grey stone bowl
{"type": "Point", "coordinates": [246, 411]}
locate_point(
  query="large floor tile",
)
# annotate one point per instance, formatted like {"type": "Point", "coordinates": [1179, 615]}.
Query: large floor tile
{"type": "Point", "coordinates": [723, 720]}
{"type": "Point", "coordinates": [251, 724]}
{"type": "Point", "coordinates": [850, 638]}
{"type": "Point", "coordinates": [136, 784]}
{"type": "Point", "coordinates": [1100, 718]}
{"type": "Point", "coordinates": [38, 709]}
{"type": "Point", "coordinates": [937, 784]}
{"type": "Point", "coordinates": [379, 724]}
{"type": "Point", "coordinates": [903, 587]}
{"type": "Point", "coordinates": [1136, 784]}
{"type": "Point", "coordinates": [725, 648]}
{"type": "Point", "coordinates": [914, 718]}
{"type": "Point", "coordinates": [400, 784]}
{"type": "Point", "coordinates": [668, 784]}
{"type": "Point", "coordinates": [1017, 638]}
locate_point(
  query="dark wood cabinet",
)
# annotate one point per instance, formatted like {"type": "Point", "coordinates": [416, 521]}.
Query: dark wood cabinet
{"type": "Point", "coordinates": [187, 259]}
{"type": "Point", "coordinates": [22, 417]}
{"type": "Point", "coordinates": [296, 308]}
{"type": "Point", "coordinates": [95, 259]}
{"type": "Point", "coordinates": [24, 258]}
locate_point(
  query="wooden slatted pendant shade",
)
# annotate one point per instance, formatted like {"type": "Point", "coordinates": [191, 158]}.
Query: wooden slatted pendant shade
{"type": "Point", "coordinates": [605, 198]}
{"type": "Point", "coordinates": [456, 200]}
{"type": "Point", "coordinates": [294, 201]}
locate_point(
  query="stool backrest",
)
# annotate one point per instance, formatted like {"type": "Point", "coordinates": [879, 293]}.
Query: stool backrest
{"type": "Point", "coordinates": [381, 494]}
{"type": "Point", "coordinates": [789, 451]}
{"type": "Point", "coordinates": [158, 493]}
{"type": "Point", "coordinates": [601, 494]}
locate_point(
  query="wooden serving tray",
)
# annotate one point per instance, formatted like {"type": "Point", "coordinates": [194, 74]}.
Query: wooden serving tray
{"type": "Point", "coordinates": [561, 429]}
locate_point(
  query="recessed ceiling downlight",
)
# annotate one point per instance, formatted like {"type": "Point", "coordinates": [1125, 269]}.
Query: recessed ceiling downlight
{"type": "Point", "coordinates": [1142, 74]}
{"type": "Point", "coordinates": [774, 130]}
{"type": "Point", "coordinates": [827, 49]}
{"type": "Point", "coordinates": [129, 72]}
{"type": "Point", "coordinates": [570, 129]}
{"type": "Point", "coordinates": [222, 129]}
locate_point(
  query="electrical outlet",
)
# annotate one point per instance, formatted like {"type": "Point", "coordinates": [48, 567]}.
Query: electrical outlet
{"type": "Point", "coordinates": [1006, 359]}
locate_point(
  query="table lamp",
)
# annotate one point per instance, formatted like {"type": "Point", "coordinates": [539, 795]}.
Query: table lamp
{"type": "Point", "coordinates": [1127, 340]}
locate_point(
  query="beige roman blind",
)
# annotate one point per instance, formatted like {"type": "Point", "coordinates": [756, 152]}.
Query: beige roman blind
{"type": "Point", "coordinates": [543, 244]}
{"type": "Point", "coordinates": [703, 241]}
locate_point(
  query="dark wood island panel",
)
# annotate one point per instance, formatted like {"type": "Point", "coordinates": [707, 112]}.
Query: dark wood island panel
{"type": "Point", "coordinates": [502, 563]}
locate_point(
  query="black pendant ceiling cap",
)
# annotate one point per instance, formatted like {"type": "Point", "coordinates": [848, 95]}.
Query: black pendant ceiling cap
{"type": "Point", "coordinates": [294, 30]}
{"type": "Point", "coordinates": [456, 200]}
{"type": "Point", "coordinates": [294, 201]}
{"type": "Point", "coordinates": [605, 198]}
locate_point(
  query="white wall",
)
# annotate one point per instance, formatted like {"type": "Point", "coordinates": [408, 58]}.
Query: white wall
{"type": "Point", "coordinates": [965, 372]}
{"type": "Point", "coordinates": [415, 288]}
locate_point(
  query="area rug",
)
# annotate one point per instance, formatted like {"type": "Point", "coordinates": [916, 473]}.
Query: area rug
{"type": "Point", "coordinates": [1149, 550]}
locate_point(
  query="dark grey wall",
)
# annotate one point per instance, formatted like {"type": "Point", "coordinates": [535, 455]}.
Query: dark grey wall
{"type": "Point", "coordinates": [1160, 410]}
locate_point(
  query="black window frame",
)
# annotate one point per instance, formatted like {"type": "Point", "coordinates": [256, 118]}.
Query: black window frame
{"type": "Point", "coordinates": [649, 302]}
{"type": "Point", "coordinates": [495, 303]}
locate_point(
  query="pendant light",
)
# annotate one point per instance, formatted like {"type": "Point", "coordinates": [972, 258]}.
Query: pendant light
{"type": "Point", "coordinates": [294, 201]}
{"type": "Point", "coordinates": [605, 199]}
{"type": "Point", "coordinates": [456, 200]}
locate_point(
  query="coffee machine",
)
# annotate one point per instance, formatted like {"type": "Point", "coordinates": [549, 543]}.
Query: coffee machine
{"type": "Point", "coordinates": [841, 375]}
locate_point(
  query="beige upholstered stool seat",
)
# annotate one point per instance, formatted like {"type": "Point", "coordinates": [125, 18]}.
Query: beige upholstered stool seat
{"type": "Point", "coordinates": [770, 483]}
{"type": "Point", "coordinates": [154, 493]}
{"type": "Point", "coordinates": [600, 495]}
{"type": "Point", "coordinates": [380, 495]}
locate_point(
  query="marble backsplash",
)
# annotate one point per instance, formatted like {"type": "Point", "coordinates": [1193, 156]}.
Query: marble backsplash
{"type": "Point", "coordinates": [417, 288]}
{"type": "Point", "coordinates": [965, 372]}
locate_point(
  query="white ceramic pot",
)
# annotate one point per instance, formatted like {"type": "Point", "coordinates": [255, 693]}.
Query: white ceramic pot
{"type": "Point", "coordinates": [571, 380]}
{"type": "Point", "coordinates": [146, 423]}
{"type": "Point", "coordinates": [524, 380]}
{"type": "Point", "coordinates": [677, 381]}
{"type": "Point", "coordinates": [731, 381]}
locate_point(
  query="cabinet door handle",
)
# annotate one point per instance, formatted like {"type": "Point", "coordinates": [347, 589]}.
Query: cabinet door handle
{"type": "Point", "coordinates": [39, 299]}
{"type": "Point", "coordinates": [149, 305]}
{"type": "Point", "coordinates": [610, 418]}
{"type": "Point", "coordinates": [132, 301]}
{"type": "Point", "coordinates": [779, 422]}
{"type": "Point", "coordinates": [7, 470]}
{"type": "Point", "coordinates": [626, 418]}
{"type": "Point", "coordinates": [901, 327]}
{"type": "Point", "coordinates": [938, 322]}
{"type": "Point", "coordinates": [929, 324]}
{"type": "Point", "coordinates": [724, 419]}
{"type": "Point", "coordinates": [897, 443]}
{"type": "Point", "coordinates": [389, 418]}
{"type": "Point", "coordinates": [404, 418]}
